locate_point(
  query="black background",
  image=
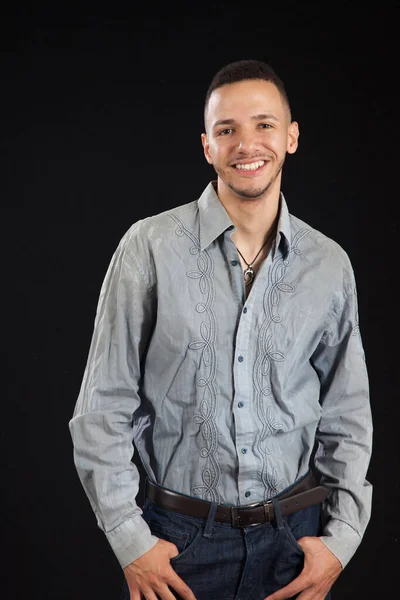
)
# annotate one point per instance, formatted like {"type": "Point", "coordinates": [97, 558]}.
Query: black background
{"type": "Point", "coordinates": [101, 119]}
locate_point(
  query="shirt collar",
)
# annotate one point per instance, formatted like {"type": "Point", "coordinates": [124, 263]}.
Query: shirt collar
{"type": "Point", "coordinates": [284, 230]}
{"type": "Point", "coordinates": [214, 219]}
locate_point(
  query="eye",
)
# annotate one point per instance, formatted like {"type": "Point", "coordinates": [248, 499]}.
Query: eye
{"type": "Point", "coordinates": [225, 131]}
{"type": "Point", "coordinates": [265, 126]}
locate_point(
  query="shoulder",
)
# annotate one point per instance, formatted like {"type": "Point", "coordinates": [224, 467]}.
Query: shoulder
{"type": "Point", "coordinates": [317, 246]}
{"type": "Point", "coordinates": [323, 257]}
{"type": "Point", "coordinates": [158, 229]}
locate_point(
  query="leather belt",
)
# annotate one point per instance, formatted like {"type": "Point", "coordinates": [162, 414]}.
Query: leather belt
{"type": "Point", "coordinates": [301, 495]}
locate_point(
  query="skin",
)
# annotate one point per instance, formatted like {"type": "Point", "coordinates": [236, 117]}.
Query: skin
{"type": "Point", "coordinates": [320, 571]}
{"type": "Point", "coordinates": [151, 574]}
{"type": "Point", "coordinates": [252, 202]}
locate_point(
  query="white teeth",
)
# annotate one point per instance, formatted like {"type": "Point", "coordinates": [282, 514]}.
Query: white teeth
{"type": "Point", "coordinates": [251, 167]}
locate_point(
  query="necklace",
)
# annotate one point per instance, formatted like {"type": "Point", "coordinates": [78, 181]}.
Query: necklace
{"type": "Point", "coordinates": [248, 273]}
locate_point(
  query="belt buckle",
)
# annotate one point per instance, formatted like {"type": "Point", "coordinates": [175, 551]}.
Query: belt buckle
{"type": "Point", "coordinates": [268, 509]}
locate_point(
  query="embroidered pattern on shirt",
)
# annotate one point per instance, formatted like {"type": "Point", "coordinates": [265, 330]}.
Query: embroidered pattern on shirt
{"type": "Point", "coordinates": [206, 419]}
{"type": "Point", "coordinates": [266, 353]}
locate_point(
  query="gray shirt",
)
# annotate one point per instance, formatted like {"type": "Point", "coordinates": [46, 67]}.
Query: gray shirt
{"type": "Point", "coordinates": [224, 396]}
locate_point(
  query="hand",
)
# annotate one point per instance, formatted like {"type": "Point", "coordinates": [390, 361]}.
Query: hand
{"type": "Point", "coordinates": [320, 571]}
{"type": "Point", "coordinates": [150, 575]}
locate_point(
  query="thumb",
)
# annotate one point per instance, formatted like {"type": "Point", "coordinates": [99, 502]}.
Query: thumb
{"type": "Point", "coordinates": [171, 549]}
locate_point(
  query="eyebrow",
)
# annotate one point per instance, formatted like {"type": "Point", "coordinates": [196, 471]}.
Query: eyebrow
{"type": "Point", "coordinates": [261, 117]}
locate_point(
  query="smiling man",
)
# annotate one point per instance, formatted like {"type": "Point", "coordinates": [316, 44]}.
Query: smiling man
{"type": "Point", "coordinates": [227, 347]}
{"type": "Point", "coordinates": [249, 132]}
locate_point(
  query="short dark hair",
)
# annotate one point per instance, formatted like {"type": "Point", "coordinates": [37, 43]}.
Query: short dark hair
{"type": "Point", "coordinates": [242, 70]}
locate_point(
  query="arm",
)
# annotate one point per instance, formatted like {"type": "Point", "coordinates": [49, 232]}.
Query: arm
{"type": "Point", "coordinates": [101, 425]}
{"type": "Point", "coordinates": [344, 439]}
{"type": "Point", "coordinates": [344, 434]}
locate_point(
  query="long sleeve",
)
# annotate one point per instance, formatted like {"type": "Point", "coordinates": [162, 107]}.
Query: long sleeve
{"type": "Point", "coordinates": [101, 427]}
{"type": "Point", "coordinates": [345, 430]}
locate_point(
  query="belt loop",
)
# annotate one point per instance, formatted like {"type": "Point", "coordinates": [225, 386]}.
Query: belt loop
{"type": "Point", "coordinates": [278, 515]}
{"type": "Point", "coordinates": [210, 520]}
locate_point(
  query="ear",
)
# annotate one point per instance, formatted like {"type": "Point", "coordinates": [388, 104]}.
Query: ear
{"type": "Point", "coordinates": [206, 147]}
{"type": "Point", "coordinates": [293, 137]}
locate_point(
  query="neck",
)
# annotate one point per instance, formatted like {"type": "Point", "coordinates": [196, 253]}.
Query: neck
{"type": "Point", "coordinates": [253, 218]}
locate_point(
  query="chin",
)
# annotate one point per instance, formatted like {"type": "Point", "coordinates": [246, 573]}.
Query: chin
{"type": "Point", "coordinates": [250, 193]}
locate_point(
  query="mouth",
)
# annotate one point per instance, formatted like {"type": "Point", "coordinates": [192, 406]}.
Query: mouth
{"type": "Point", "coordinates": [249, 169]}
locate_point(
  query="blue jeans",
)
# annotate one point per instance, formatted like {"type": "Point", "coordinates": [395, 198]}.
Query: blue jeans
{"type": "Point", "coordinates": [219, 562]}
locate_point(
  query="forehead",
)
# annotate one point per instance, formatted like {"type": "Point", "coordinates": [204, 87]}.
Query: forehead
{"type": "Point", "coordinates": [244, 98]}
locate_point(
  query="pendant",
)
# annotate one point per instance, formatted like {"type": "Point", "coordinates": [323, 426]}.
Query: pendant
{"type": "Point", "coordinates": [248, 275]}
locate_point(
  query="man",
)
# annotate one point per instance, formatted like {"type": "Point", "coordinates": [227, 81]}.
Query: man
{"type": "Point", "coordinates": [226, 345]}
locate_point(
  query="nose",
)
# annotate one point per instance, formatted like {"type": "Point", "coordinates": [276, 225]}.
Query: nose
{"type": "Point", "coordinates": [247, 141]}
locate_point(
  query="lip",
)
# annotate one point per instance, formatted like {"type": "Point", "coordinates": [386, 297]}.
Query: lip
{"type": "Point", "coordinates": [244, 173]}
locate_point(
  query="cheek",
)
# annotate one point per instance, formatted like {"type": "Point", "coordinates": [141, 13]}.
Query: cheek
{"type": "Point", "coordinates": [280, 152]}
{"type": "Point", "coordinates": [216, 153]}
{"type": "Point", "coordinates": [277, 144]}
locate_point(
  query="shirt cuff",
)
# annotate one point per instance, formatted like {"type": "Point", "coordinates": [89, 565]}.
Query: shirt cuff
{"type": "Point", "coordinates": [131, 539]}
{"type": "Point", "coordinates": [341, 539]}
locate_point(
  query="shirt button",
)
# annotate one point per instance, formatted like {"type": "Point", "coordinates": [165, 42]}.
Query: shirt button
{"type": "Point", "coordinates": [240, 404]}
{"type": "Point", "coordinates": [234, 263]}
{"type": "Point", "coordinates": [247, 494]}
{"type": "Point", "coordinates": [240, 359]}
{"type": "Point", "coordinates": [244, 450]}
{"type": "Point", "coordinates": [245, 310]}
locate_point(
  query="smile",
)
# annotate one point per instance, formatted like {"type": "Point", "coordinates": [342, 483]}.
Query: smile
{"type": "Point", "coordinates": [251, 166]}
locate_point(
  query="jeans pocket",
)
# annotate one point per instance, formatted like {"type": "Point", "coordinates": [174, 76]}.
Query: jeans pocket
{"type": "Point", "coordinates": [164, 533]}
{"type": "Point", "coordinates": [303, 523]}
{"type": "Point", "coordinates": [291, 538]}
{"type": "Point", "coordinates": [190, 546]}
{"type": "Point", "coordinates": [174, 528]}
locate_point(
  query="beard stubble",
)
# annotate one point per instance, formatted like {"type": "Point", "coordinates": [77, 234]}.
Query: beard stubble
{"type": "Point", "coordinates": [251, 194]}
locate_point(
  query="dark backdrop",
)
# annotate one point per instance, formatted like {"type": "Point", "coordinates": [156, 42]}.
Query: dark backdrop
{"type": "Point", "coordinates": [100, 126]}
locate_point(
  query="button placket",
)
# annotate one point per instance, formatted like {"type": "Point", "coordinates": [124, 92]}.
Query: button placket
{"type": "Point", "coordinates": [244, 441]}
